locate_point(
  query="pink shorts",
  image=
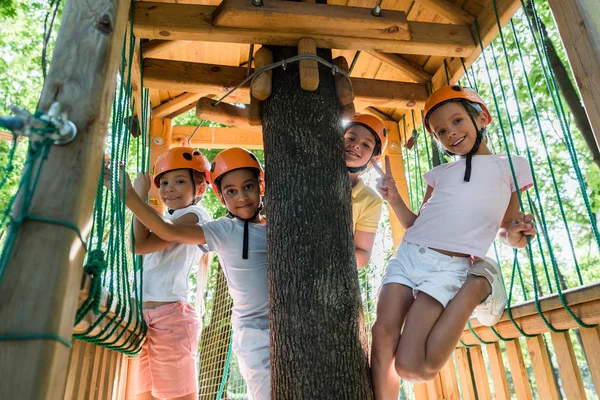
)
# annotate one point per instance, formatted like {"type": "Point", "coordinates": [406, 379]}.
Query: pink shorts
{"type": "Point", "coordinates": [167, 365]}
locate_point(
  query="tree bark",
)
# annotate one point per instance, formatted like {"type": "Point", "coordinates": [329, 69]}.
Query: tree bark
{"type": "Point", "coordinates": [318, 337]}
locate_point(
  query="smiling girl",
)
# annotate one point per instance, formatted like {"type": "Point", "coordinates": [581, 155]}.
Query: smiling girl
{"type": "Point", "coordinates": [431, 286]}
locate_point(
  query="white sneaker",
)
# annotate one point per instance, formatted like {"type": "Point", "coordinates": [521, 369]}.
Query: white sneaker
{"type": "Point", "coordinates": [490, 311]}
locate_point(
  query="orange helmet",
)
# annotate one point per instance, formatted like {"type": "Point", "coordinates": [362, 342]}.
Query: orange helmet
{"type": "Point", "coordinates": [373, 125]}
{"type": "Point", "coordinates": [181, 158]}
{"type": "Point", "coordinates": [452, 93]}
{"type": "Point", "coordinates": [231, 159]}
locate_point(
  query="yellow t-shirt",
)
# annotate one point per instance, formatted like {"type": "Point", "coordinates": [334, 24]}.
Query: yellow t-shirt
{"type": "Point", "coordinates": [366, 208]}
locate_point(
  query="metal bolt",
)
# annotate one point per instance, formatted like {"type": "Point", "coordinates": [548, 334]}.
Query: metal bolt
{"type": "Point", "coordinates": [158, 140]}
{"type": "Point", "coordinates": [257, 3]}
{"type": "Point", "coordinates": [376, 11]}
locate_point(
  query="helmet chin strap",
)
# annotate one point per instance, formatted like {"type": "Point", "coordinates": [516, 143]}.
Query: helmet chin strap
{"type": "Point", "coordinates": [246, 233]}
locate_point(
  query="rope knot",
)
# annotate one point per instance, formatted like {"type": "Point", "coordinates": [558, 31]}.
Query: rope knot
{"type": "Point", "coordinates": [95, 266]}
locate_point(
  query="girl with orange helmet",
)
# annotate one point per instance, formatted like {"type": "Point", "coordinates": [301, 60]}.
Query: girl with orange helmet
{"type": "Point", "coordinates": [240, 241]}
{"type": "Point", "coordinates": [365, 140]}
{"type": "Point", "coordinates": [431, 285]}
{"type": "Point", "coordinates": [167, 363]}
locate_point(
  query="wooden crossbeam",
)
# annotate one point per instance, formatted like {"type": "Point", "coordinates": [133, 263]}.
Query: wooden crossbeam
{"type": "Point", "coordinates": [217, 138]}
{"type": "Point", "coordinates": [218, 79]}
{"type": "Point", "coordinates": [193, 22]}
{"type": "Point", "coordinates": [409, 69]}
{"type": "Point", "coordinates": [175, 104]}
{"type": "Point", "coordinates": [311, 17]}
{"type": "Point", "coordinates": [488, 28]}
{"type": "Point", "coordinates": [584, 301]}
{"type": "Point", "coordinates": [448, 10]}
{"type": "Point", "coordinates": [155, 47]}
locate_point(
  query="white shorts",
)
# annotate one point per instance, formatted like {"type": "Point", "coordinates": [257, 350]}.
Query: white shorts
{"type": "Point", "coordinates": [251, 346]}
{"type": "Point", "coordinates": [428, 271]}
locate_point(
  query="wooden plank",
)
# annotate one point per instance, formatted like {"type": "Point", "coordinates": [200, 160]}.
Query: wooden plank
{"type": "Point", "coordinates": [217, 138]}
{"type": "Point", "coordinates": [480, 374]}
{"type": "Point", "coordinates": [518, 370]}
{"type": "Point", "coordinates": [464, 374]}
{"type": "Point", "coordinates": [173, 22]}
{"type": "Point", "coordinates": [578, 22]}
{"type": "Point", "coordinates": [489, 30]}
{"type": "Point", "coordinates": [448, 10]}
{"type": "Point", "coordinates": [219, 79]}
{"type": "Point", "coordinates": [8, 137]}
{"type": "Point", "coordinates": [542, 368]}
{"type": "Point", "coordinates": [83, 391]}
{"type": "Point", "coordinates": [102, 377]}
{"type": "Point", "coordinates": [96, 371]}
{"type": "Point", "coordinates": [421, 391]}
{"type": "Point", "coordinates": [175, 105]}
{"type": "Point", "coordinates": [434, 389]}
{"type": "Point", "coordinates": [449, 382]}
{"type": "Point", "coordinates": [591, 345]}
{"type": "Point", "coordinates": [136, 85]}
{"type": "Point", "coordinates": [82, 78]}
{"type": "Point", "coordinates": [498, 371]}
{"type": "Point", "coordinates": [584, 301]}
{"type": "Point", "coordinates": [160, 141]}
{"type": "Point", "coordinates": [568, 366]}
{"type": "Point", "coordinates": [310, 18]}
{"type": "Point", "coordinates": [132, 378]}
{"type": "Point", "coordinates": [154, 48]}
{"type": "Point", "coordinates": [72, 373]}
{"type": "Point", "coordinates": [114, 377]}
{"type": "Point", "coordinates": [123, 377]}
{"type": "Point", "coordinates": [394, 152]}
{"type": "Point", "coordinates": [411, 70]}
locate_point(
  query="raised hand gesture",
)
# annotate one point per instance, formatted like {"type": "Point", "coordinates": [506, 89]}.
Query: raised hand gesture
{"type": "Point", "coordinates": [386, 186]}
{"type": "Point", "coordinates": [141, 184]}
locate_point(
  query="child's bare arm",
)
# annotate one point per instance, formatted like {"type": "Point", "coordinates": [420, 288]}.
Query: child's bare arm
{"type": "Point", "coordinates": [363, 243]}
{"type": "Point", "coordinates": [152, 243]}
{"type": "Point", "coordinates": [516, 226]}
{"type": "Point", "coordinates": [162, 227]}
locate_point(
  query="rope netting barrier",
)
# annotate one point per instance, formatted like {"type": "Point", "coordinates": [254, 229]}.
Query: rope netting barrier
{"type": "Point", "coordinates": [116, 279]}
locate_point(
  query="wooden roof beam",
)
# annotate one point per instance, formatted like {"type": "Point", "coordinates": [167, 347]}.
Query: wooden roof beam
{"type": "Point", "coordinates": [488, 28]}
{"type": "Point", "coordinates": [409, 69]}
{"type": "Point", "coordinates": [217, 138]}
{"type": "Point", "coordinates": [193, 22]}
{"type": "Point", "coordinates": [280, 15]}
{"type": "Point", "coordinates": [219, 79]}
{"type": "Point", "coordinates": [176, 104]}
{"type": "Point", "coordinates": [448, 10]}
{"type": "Point", "coordinates": [155, 47]}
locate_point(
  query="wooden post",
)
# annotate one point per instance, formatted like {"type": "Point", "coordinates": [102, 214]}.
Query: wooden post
{"type": "Point", "coordinates": [481, 380]}
{"type": "Point", "coordinates": [261, 86]}
{"type": "Point", "coordinates": [518, 371]}
{"type": "Point", "coordinates": [394, 151]}
{"type": "Point", "coordinates": [38, 294]}
{"type": "Point", "coordinates": [309, 69]}
{"type": "Point", "coordinates": [464, 374]}
{"type": "Point", "coordinates": [578, 22]}
{"type": "Point", "coordinates": [567, 366]}
{"type": "Point", "coordinates": [160, 141]}
{"type": "Point", "coordinates": [542, 369]}
{"type": "Point", "coordinates": [498, 371]}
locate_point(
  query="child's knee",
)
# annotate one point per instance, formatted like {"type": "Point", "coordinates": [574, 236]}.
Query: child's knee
{"type": "Point", "coordinates": [415, 372]}
{"type": "Point", "coordinates": [383, 331]}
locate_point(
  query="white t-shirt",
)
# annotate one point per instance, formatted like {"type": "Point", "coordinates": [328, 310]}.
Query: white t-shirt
{"type": "Point", "coordinates": [166, 272]}
{"type": "Point", "coordinates": [246, 279]}
{"type": "Point", "coordinates": [464, 217]}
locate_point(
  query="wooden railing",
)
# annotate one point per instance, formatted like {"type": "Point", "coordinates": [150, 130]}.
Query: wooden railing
{"type": "Point", "coordinates": [474, 381]}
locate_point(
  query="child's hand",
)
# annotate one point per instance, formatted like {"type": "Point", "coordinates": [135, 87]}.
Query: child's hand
{"type": "Point", "coordinates": [141, 184]}
{"type": "Point", "coordinates": [386, 185]}
{"type": "Point", "coordinates": [122, 175]}
{"type": "Point", "coordinates": [521, 227]}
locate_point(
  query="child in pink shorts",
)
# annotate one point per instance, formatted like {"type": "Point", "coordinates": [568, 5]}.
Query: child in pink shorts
{"type": "Point", "coordinates": [167, 363]}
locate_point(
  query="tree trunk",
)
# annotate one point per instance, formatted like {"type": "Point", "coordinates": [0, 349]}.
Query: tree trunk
{"type": "Point", "coordinates": [567, 89]}
{"type": "Point", "coordinates": [214, 341]}
{"type": "Point", "coordinates": [318, 338]}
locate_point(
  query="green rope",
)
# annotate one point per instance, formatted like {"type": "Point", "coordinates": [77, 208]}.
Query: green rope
{"type": "Point", "coordinates": [226, 368]}
{"type": "Point", "coordinates": [35, 336]}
